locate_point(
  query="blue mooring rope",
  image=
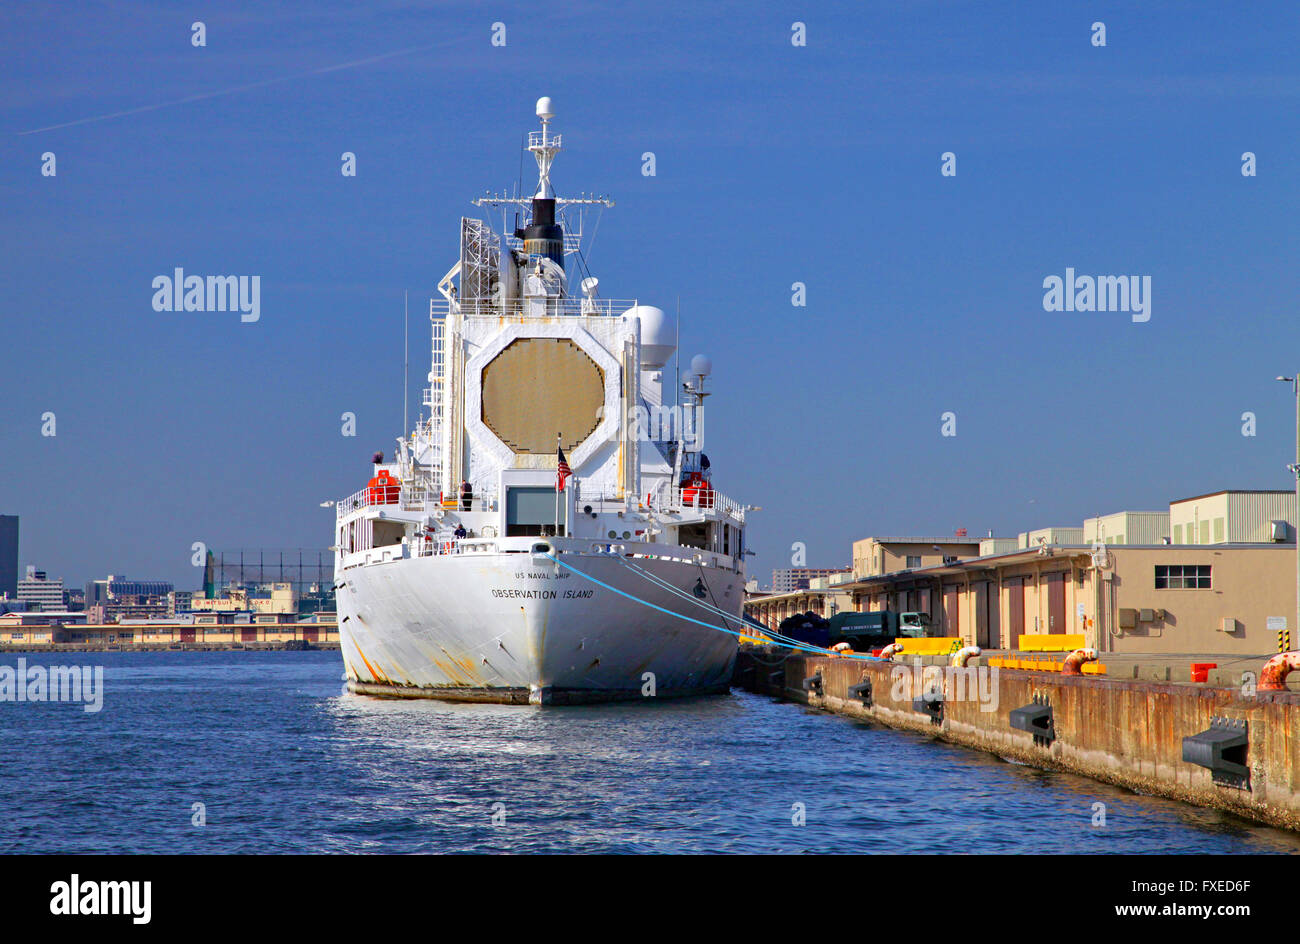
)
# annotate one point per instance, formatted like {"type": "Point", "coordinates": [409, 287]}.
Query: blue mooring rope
{"type": "Point", "coordinates": [853, 655]}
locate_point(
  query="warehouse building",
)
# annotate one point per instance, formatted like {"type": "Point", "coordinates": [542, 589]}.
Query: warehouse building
{"type": "Point", "coordinates": [818, 598]}
{"type": "Point", "coordinates": [882, 555]}
{"type": "Point", "coordinates": [1128, 527]}
{"type": "Point", "coordinates": [1229, 598]}
{"type": "Point", "coordinates": [1215, 574]}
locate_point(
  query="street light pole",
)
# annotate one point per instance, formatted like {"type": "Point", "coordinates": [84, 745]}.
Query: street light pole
{"type": "Point", "coordinates": [1295, 470]}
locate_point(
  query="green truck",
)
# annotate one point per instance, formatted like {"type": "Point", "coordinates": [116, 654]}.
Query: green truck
{"type": "Point", "coordinates": [865, 631]}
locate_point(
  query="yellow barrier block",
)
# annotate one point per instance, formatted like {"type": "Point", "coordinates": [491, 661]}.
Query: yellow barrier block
{"type": "Point", "coordinates": [755, 640]}
{"type": "Point", "coordinates": [1044, 665]}
{"type": "Point", "coordinates": [930, 645]}
{"type": "Point", "coordinates": [1052, 642]}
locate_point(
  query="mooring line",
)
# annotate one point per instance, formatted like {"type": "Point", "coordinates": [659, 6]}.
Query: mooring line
{"type": "Point", "coordinates": [771, 634]}
{"type": "Point", "coordinates": [731, 632]}
{"type": "Point", "coordinates": [659, 581]}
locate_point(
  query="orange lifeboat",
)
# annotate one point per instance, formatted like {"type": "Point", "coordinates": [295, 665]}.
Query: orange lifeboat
{"type": "Point", "coordinates": [383, 489]}
{"type": "Point", "coordinates": [697, 492]}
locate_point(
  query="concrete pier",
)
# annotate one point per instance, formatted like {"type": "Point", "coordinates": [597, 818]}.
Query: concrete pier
{"type": "Point", "coordinates": [1127, 732]}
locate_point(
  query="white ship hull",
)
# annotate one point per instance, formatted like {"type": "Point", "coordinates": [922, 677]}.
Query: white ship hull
{"type": "Point", "coordinates": [554, 425]}
{"type": "Point", "coordinates": [519, 628]}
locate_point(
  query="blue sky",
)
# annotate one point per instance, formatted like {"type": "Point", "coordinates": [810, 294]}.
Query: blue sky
{"type": "Point", "coordinates": [775, 164]}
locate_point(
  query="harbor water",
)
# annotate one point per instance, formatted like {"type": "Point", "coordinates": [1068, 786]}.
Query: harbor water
{"type": "Point", "coordinates": [263, 752]}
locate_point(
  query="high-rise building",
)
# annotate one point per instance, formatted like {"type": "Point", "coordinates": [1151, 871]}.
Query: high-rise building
{"type": "Point", "coordinates": [117, 597]}
{"type": "Point", "coordinates": [181, 601]}
{"type": "Point", "coordinates": [797, 578]}
{"type": "Point", "coordinates": [9, 556]}
{"type": "Point", "coordinates": [39, 592]}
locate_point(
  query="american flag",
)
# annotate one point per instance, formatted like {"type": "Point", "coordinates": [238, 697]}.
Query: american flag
{"type": "Point", "coordinates": [562, 470]}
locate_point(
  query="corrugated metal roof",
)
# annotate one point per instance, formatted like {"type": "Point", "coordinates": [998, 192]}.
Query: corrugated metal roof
{"type": "Point", "coordinates": [1237, 491]}
{"type": "Point", "coordinates": [921, 539]}
{"type": "Point", "coordinates": [1028, 554]}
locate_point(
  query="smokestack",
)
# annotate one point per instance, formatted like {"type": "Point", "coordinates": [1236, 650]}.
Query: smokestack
{"type": "Point", "coordinates": [209, 578]}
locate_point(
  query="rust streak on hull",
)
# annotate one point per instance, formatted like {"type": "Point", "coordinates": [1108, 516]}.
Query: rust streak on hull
{"type": "Point", "coordinates": [521, 696]}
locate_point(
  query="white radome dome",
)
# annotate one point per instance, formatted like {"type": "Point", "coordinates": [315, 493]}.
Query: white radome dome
{"type": "Point", "coordinates": [701, 365]}
{"type": "Point", "coordinates": [658, 335]}
{"type": "Point", "coordinates": [544, 108]}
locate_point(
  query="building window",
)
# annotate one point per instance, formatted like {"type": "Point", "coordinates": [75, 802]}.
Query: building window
{"type": "Point", "coordinates": [913, 561]}
{"type": "Point", "coordinates": [1182, 576]}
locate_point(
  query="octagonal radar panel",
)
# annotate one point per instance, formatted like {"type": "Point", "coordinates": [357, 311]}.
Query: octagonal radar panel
{"type": "Point", "coordinates": [536, 387]}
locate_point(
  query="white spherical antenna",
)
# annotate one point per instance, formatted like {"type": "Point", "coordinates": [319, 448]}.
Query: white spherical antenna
{"type": "Point", "coordinates": [589, 286]}
{"type": "Point", "coordinates": [701, 366]}
{"type": "Point", "coordinates": [658, 335]}
{"type": "Point", "coordinates": [544, 109]}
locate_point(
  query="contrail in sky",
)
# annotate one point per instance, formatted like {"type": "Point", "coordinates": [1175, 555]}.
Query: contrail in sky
{"type": "Point", "coordinates": [238, 88]}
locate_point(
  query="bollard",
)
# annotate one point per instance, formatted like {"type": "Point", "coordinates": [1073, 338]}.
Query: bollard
{"type": "Point", "coordinates": [1276, 669]}
{"type": "Point", "coordinates": [891, 650]}
{"type": "Point", "coordinates": [1073, 664]}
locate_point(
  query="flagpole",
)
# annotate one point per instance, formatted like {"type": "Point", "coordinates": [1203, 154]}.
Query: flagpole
{"type": "Point", "coordinates": [557, 488]}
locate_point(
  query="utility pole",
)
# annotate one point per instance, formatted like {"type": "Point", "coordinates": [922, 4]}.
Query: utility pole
{"type": "Point", "coordinates": [1295, 470]}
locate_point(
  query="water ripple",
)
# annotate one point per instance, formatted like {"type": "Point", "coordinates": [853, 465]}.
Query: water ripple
{"type": "Point", "coordinates": [283, 762]}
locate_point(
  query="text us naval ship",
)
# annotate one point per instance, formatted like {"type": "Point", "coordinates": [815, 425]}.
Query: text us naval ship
{"type": "Point", "coordinates": [474, 566]}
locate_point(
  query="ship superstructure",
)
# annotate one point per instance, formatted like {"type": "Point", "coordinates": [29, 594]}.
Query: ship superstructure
{"type": "Point", "coordinates": [471, 567]}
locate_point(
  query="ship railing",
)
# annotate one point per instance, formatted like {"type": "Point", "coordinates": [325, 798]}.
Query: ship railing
{"type": "Point", "coordinates": [688, 499]}
{"type": "Point", "coordinates": [345, 506]}
{"type": "Point", "coordinates": [418, 497]}
{"type": "Point", "coordinates": [412, 500]}
{"type": "Point", "coordinates": [706, 500]}
{"type": "Point", "coordinates": [698, 557]}
{"type": "Point", "coordinates": [437, 545]}
{"type": "Point", "coordinates": [535, 139]}
{"type": "Point", "coordinates": [569, 307]}
{"type": "Point", "coordinates": [481, 501]}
